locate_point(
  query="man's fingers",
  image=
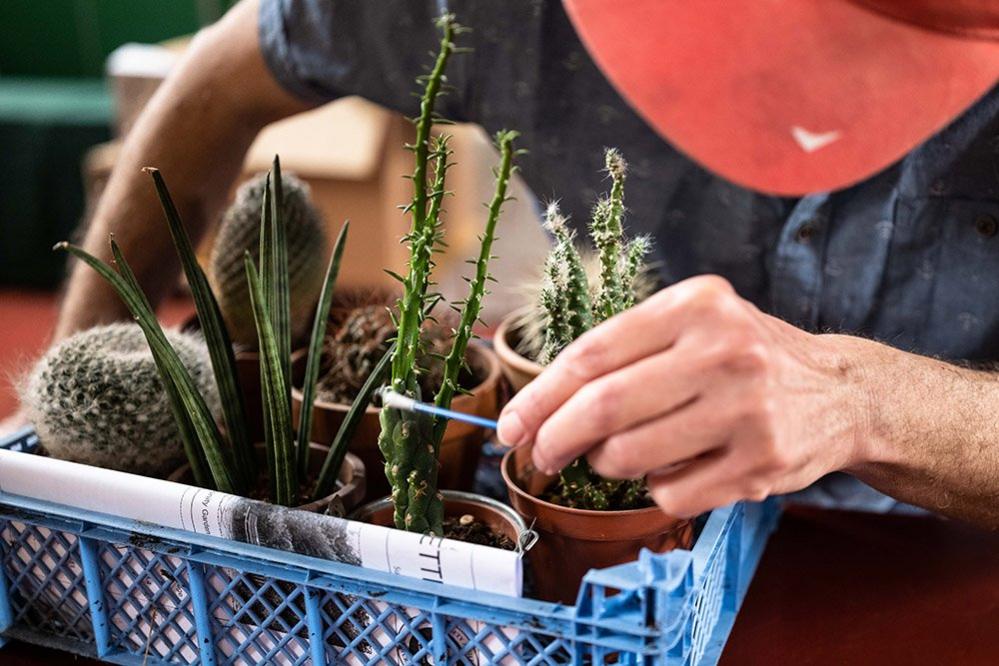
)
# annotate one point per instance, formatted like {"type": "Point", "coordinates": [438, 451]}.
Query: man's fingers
{"type": "Point", "coordinates": [704, 484]}
{"type": "Point", "coordinates": [615, 402]}
{"type": "Point", "coordinates": [691, 431]}
{"type": "Point", "coordinates": [648, 328]}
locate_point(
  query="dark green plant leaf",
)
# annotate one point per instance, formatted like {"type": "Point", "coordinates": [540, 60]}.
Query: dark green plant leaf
{"type": "Point", "coordinates": [216, 336]}
{"type": "Point", "coordinates": [319, 324]}
{"type": "Point", "coordinates": [274, 392]}
{"type": "Point", "coordinates": [279, 303]}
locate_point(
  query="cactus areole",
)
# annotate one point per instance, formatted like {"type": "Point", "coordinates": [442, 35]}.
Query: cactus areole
{"type": "Point", "coordinates": [410, 443]}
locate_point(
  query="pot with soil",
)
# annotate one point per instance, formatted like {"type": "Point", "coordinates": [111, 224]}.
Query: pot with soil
{"type": "Point", "coordinates": [517, 365]}
{"type": "Point", "coordinates": [467, 517]}
{"type": "Point", "coordinates": [347, 494]}
{"type": "Point", "coordinates": [361, 336]}
{"type": "Point", "coordinates": [573, 541]}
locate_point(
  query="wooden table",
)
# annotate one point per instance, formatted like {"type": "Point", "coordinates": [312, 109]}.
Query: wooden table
{"type": "Point", "coordinates": [843, 588]}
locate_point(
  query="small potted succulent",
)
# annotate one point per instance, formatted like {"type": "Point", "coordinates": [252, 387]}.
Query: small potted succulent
{"type": "Point", "coordinates": [239, 232]}
{"type": "Point", "coordinates": [362, 329]}
{"type": "Point", "coordinates": [585, 521]}
{"type": "Point", "coordinates": [283, 469]}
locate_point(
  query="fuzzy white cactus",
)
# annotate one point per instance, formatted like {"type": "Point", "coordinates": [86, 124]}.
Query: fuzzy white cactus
{"type": "Point", "coordinates": [97, 398]}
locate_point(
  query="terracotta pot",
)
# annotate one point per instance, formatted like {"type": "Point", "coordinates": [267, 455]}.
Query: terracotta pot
{"type": "Point", "coordinates": [462, 443]}
{"type": "Point", "coordinates": [498, 516]}
{"type": "Point", "coordinates": [573, 541]}
{"type": "Point", "coordinates": [350, 488]}
{"type": "Point", "coordinates": [517, 368]}
{"type": "Point", "coordinates": [248, 371]}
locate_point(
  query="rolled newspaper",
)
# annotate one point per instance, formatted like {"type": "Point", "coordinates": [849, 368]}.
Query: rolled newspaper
{"type": "Point", "coordinates": [217, 514]}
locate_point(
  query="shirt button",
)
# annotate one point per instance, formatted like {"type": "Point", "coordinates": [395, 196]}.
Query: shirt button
{"type": "Point", "coordinates": [986, 225]}
{"type": "Point", "coordinates": [805, 232]}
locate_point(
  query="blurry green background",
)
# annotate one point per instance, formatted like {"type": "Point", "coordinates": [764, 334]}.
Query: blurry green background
{"type": "Point", "coordinates": [72, 38]}
{"type": "Point", "coordinates": [54, 105]}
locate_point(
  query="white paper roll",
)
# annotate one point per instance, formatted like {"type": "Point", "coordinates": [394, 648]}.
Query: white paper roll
{"type": "Point", "coordinates": [217, 514]}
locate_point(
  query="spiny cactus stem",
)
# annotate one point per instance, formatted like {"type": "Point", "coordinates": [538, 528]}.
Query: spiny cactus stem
{"type": "Point", "coordinates": [608, 233]}
{"type": "Point", "coordinates": [413, 304]}
{"type": "Point", "coordinates": [426, 119]}
{"type": "Point", "coordinates": [473, 303]}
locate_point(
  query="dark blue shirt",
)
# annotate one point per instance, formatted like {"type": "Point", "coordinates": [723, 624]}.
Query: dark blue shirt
{"type": "Point", "coordinates": [910, 256]}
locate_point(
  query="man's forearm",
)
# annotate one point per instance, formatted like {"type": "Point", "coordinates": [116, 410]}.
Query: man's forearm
{"type": "Point", "coordinates": [196, 130]}
{"type": "Point", "coordinates": [713, 401]}
{"type": "Point", "coordinates": [932, 434]}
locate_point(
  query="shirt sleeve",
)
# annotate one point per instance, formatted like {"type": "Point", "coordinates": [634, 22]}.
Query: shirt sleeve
{"type": "Point", "coordinates": [320, 50]}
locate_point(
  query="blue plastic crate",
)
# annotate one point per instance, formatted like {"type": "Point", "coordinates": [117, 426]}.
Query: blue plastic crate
{"type": "Point", "coordinates": [132, 593]}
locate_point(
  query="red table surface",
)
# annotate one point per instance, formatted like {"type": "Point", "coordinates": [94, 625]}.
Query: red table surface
{"type": "Point", "coordinates": [839, 588]}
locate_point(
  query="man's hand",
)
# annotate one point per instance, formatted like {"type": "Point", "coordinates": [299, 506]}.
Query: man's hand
{"type": "Point", "coordinates": [698, 390]}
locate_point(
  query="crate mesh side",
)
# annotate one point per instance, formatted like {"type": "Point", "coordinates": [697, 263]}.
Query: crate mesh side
{"type": "Point", "coordinates": [360, 631]}
{"type": "Point", "coordinates": [148, 605]}
{"type": "Point", "coordinates": [474, 643]}
{"type": "Point", "coordinates": [45, 574]}
{"type": "Point", "coordinates": [255, 619]}
{"type": "Point", "coordinates": [707, 604]}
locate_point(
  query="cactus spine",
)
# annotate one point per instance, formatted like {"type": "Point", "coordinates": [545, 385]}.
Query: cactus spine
{"type": "Point", "coordinates": [409, 442]}
{"type": "Point", "coordinates": [570, 311]}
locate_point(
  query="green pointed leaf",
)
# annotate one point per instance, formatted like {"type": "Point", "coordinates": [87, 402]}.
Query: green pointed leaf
{"type": "Point", "coordinates": [274, 392]}
{"type": "Point", "coordinates": [216, 336]}
{"type": "Point", "coordinates": [319, 325]}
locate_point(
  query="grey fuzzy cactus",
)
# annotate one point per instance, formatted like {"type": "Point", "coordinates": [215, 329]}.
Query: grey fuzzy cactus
{"type": "Point", "coordinates": [570, 309]}
{"type": "Point", "coordinates": [97, 398]}
{"type": "Point", "coordinates": [239, 233]}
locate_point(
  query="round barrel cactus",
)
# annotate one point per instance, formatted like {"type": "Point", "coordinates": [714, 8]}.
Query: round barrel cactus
{"type": "Point", "coordinates": [240, 232]}
{"type": "Point", "coordinates": [97, 398]}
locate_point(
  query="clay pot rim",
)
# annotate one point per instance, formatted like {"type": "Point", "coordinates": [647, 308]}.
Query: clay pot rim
{"type": "Point", "coordinates": [506, 351]}
{"type": "Point", "coordinates": [489, 383]}
{"type": "Point", "coordinates": [513, 486]}
{"type": "Point", "coordinates": [363, 512]}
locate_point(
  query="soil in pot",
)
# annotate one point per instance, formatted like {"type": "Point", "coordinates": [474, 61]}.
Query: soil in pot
{"type": "Point", "coordinates": [467, 517]}
{"type": "Point", "coordinates": [353, 336]}
{"type": "Point", "coordinates": [348, 494]}
{"type": "Point", "coordinates": [518, 368]}
{"type": "Point", "coordinates": [573, 541]}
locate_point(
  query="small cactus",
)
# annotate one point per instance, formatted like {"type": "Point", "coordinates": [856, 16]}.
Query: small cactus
{"type": "Point", "coordinates": [239, 233]}
{"type": "Point", "coordinates": [97, 398]}
{"type": "Point", "coordinates": [570, 310]}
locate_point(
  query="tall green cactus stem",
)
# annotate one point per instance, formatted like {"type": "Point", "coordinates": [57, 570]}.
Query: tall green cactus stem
{"type": "Point", "coordinates": [607, 232]}
{"type": "Point", "coordinates": [425, 508]}
{"type": "Point", "coordinates": [423, 230]}
{"type": "Point", "coordinates": [399, 435]}
{"type": "Point", "coordinates": [409, 442]}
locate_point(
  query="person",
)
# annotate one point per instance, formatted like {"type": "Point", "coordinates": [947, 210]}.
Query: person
{"type": "Point", "coordinates": [817, 176]}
